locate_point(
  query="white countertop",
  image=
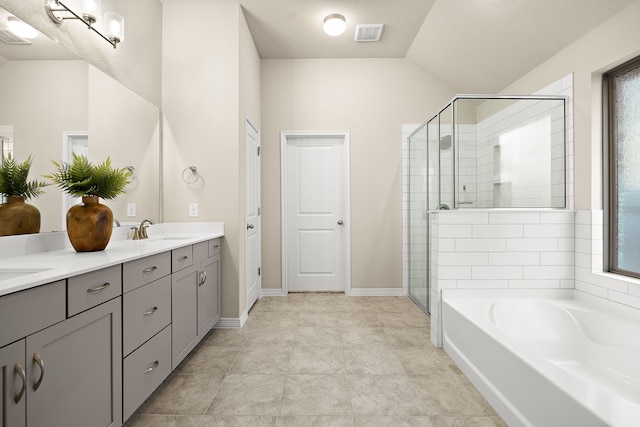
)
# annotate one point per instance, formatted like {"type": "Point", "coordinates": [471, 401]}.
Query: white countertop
{"type": "Point", "coordinates": [31, 253]}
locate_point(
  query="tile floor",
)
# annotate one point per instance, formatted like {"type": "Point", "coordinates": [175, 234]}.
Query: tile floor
{"type": "Point", "coordinates": [319, 360]}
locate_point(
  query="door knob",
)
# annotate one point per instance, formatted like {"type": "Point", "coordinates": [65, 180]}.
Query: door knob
{"type": "Point", "coordinates": [340, 222]}
{"type": "Point", "coordinates": [250, 226]}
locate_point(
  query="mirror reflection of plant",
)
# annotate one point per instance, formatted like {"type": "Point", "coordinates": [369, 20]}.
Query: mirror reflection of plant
{"type": "Point", "coordinates": [14, 182]}
{"type": "Point", "coordinates": [81, 178]}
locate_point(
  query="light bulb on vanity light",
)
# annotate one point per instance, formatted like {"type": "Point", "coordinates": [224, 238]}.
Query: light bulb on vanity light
{"type": "Point", "coordinates": [90, 10]}
{"type": "Point", "coordinates": [114, 27]}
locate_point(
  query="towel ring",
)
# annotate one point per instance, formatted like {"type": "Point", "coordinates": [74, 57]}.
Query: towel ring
{"type": "Point", "coordinates": [192, 177]}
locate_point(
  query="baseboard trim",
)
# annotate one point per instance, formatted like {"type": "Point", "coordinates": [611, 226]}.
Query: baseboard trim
{"type": "Point", "coordinates": [232, 322]}
{"type": "Point", "coordinates": [376, 292]}
{"type": "Point", "coordinates": [278, 292]}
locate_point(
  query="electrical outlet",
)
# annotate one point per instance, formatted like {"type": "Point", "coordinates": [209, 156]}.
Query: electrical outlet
{"type": "Point", "coordinates": [193, 210]}
{"type": "Point", "coordinates": [131, 209]}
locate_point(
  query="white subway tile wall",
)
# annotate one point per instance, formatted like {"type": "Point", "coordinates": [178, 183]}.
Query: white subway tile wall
{"type": "Point", "coordinates": [490, 249]}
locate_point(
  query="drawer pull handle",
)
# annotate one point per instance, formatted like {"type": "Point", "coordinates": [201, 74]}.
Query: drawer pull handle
{"type": "Point", "coordinates": [150, 269]}
{"type": "Point", "coordinates": [203, 277]}
{"type": "Point", "coordinates": [40, 362]}
{"type": "Point", "coordinates": [150, 312]}
{"type": "Point", "coordinates": [18, 369]}
{"type": "Point", "coordinates": [152, 367]}
{"type": "Point", "coordinates": [216, 246]}
{"type": "Point", "coordinates": [183, 258]}
{"type": "Point", "coordinates": [98, 288]}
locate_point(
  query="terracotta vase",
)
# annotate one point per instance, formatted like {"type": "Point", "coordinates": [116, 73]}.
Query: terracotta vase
{"type": "Point", "coordinates": [89, 225]}
{"type": "Point", "coordinates": [18, 217]}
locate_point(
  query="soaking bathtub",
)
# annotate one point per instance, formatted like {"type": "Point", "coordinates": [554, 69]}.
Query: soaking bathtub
{"type": "Point", "coordinates": [547, 358]}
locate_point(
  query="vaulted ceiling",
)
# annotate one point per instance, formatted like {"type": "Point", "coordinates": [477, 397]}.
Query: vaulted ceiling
{"type": "Point", "coordinates": [473, 46]}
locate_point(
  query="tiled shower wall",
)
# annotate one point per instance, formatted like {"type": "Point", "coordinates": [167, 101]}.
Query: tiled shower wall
{"type": "Point", "coordinates": [490, 249]}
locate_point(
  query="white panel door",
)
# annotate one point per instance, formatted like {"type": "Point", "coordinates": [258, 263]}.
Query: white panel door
{"type": "Point", "coordinates": [315, 225]}
{"type": "Point", "coordinates": [252, 166]}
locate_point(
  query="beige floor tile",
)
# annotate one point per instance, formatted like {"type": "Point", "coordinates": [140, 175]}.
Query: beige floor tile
{"type": "Point", "coordinates": [318, 335]}
{"type": "Point", "coordinates": [209, 360]}
{"type": "Point", "coordinates": [265, 359]}
{"type": "Point", "coordinates": [316, 395]}
{"type": "Point", "coordinates": [244, 394]}
{"type": "Point", "coordinates": [385, 395]}
{"type": "Point", "coordinates": [237, 421]}
{"type": "Point", "coordinates": [182, 394]}
{"type": "Point", "coordinates": [385, 421]}
{"type": "Point", "coordinates": [494, 421]}
{"type": "Point", "coordinates": [316, 421]}
{"type": "Point", "coordinates": [320, 359]}
{"type": "Point", "coordinates": [226, 337]}
{"type": "Point", "coordinates": [445, 395]}
{"type": "Point", "coordinates": [405, 337]}
{"type": "Point", "coordinates": [317, 360]}
{"type": "Point", "coordinates": [372, 360]}
{"type": "Point", "coordinates": [162, 421]}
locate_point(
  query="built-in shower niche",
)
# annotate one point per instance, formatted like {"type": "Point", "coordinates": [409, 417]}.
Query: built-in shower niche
{"type": "Point", "coordinates": [498, 152]}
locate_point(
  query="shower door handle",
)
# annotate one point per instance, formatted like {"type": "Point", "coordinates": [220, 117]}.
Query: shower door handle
{"type": "Point", "coordinates": [340, 222]}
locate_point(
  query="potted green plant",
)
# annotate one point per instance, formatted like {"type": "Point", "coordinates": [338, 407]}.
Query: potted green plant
{"type": "Point", "coordinates": [17, 216]}
{"type": "Point", "coordinates": [89, 224]}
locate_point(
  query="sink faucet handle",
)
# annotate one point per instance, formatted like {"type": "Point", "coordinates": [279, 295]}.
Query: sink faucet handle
{"type": "Point", "coordinates": [143, 232]}
{"type": "Point", "coordinates": [135, 234]}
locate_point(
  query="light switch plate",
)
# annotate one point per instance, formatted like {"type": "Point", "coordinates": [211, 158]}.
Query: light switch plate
{"type": "Point", "coordinates": [131, 209]}
{"type": "Point", "coordinates": [193, 210]}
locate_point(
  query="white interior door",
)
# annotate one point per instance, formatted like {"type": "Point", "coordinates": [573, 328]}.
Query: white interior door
{"type": "Point", "coordinates": [316, 212]}
{"type": "Point", "coordinates": [252, 170]}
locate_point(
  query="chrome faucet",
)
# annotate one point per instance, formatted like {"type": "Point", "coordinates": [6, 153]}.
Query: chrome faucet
{"type": "Point", "coordinates": [141, 232]}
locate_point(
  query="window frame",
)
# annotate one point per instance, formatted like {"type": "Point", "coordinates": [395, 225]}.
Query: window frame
{"type": "Point", "coordinates": [610, 166]}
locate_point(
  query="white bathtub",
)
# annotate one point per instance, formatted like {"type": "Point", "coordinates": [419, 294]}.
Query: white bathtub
{"type": "Point", "coordinates": [547, 358]}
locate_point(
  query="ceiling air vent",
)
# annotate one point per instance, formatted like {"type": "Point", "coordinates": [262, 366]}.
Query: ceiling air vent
{"type": "Point", "coordinates": [10, 38]}
{"type": "Point", "coordinates": [368, 32]}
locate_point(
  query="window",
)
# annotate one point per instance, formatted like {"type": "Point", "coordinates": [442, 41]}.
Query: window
{"type": "Point", "coordinates": [622, 111]}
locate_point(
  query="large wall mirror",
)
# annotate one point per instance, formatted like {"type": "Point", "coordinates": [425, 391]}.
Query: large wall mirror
{"type": "Point", "coordinates": [53, 103]}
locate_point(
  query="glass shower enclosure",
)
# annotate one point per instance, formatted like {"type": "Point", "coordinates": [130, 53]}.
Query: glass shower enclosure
{"type": "Point", "coordinates": [482, 152]}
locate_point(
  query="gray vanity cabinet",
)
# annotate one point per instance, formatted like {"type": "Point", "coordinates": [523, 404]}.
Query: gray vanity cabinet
{"type": "Point", "coordinates": [74, 370]}
{"type": "Point", "coordinates": [195, 296]}
{"type": "Point", "coordinates": [13, 385]}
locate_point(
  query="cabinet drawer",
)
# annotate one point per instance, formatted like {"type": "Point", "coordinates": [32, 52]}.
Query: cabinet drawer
{"type": "Point", "coordinates": [90, 289]}
{"type": "Point", "coordinates": [200, 251]}
{"type": "Point", "coordinates": [145, 270]}
{"type": "Point", "coordinates": [25, 312]}
{"type": "Point", "coordinates": [181, 258]}
{"type": "Point", "coordinates": [146, 311]}
{"type": "Point", "coordinates": [145, 369]}
{"type": "Point", "coordinates": [214, 247]}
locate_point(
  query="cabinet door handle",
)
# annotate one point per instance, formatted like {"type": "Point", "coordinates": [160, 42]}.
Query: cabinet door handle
{"type": "Point", "coordinates": [183, 258]}
{"type": "Point", "coordinates": [203, 277]}
{"type": "Point", "coordinates": [18, 369]}
{"type": "Point", "coordinates": [99, 288]}
{"type": "Point", "coordinates": [152, 367]}
{"type": "Point", "coordinates": [150, 269]}
{"type": "Point", "coordinates": [216, 246]}
{"type": "Point", "coordinates": [150, 312]}
{"type": "Point", "coordinates": [38, 360]}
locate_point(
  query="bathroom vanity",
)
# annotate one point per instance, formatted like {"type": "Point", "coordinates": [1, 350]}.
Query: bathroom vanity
{"type": "Point", "coordinates": [85, 338]}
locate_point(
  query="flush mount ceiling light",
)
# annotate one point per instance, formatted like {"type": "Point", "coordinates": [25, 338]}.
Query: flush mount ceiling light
{"type": "Point", "coordinates": [21, 29]}
{"type": "Point", "coordinates": [113, 23]}
{"type": "Point", "coordinates": [334, 24]}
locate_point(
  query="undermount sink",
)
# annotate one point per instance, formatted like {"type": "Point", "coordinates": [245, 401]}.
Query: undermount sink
{"type": "Point", "coordinates": [169, 238]}
{"type": "Point", "coordinates": [12, 273]}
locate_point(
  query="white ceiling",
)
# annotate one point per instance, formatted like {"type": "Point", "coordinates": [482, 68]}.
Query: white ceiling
{"type": "Point", "coordinates": [473, 46]}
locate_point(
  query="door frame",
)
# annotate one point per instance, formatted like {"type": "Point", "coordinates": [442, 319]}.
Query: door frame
{"type": "Point", "coordinates": [284, 138]}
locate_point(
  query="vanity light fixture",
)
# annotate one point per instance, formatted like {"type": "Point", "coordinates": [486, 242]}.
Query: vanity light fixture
{"type": "Point", "coordinates": [20, 28]}
{"type": "Point", "coordinates": [334, 24]}
{"type": "Point", "coordinates": [113, 23]}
